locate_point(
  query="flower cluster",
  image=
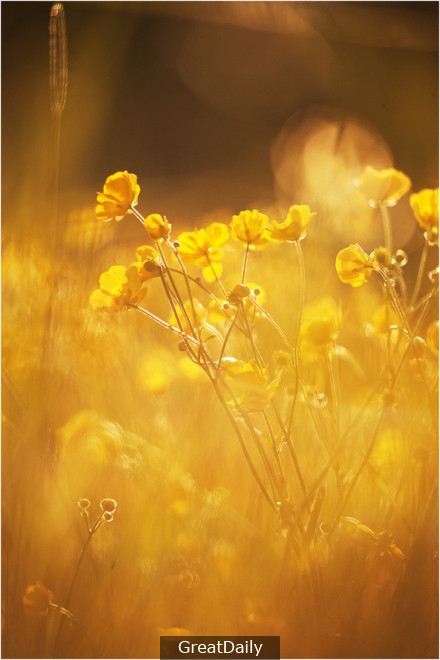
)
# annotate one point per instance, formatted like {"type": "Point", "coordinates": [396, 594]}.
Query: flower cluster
{"type": "Point", "coordinates": [220, 317]}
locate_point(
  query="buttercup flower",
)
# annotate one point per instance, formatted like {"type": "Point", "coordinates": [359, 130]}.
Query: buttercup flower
{"type": "Point", "coordinates": [147, 263]}
{"type": "Point", "coordinates": [194, 310]}
{"type": "Point", "coordinates": [353, 265]}
{"type": "Point", "coordinates": [425, 207]}
{"type": "Point", "coordinates": [119, 288]}
{"type": "Point", "coordinates": [158, 227]}
{"type": "Point", "coordinates": [120, 193]}
{"type": "Point", "coordinates": [319, 327]}
{"type": "Point", "coordinates": [383, 186]}
{"type": "Point", "coordinates": [249, 383]}
{"type": "Point", "coordinates": [382, 318]}
{"type": "Point", "coordinates": [294, 227]}
{"type": "Point", "coordinates": [37, 599]}
{"type": "Point", "coordinates": [250, 227]}
{"type": "Point", "coordinates": [201, 247]}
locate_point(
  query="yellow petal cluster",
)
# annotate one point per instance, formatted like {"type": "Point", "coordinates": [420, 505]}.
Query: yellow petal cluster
{"type": "Point", "coordinates": [202, 247]}
{"type": "Point", "coordinates": [147, 263]}
{"type": "Point", "coordinates": [319, 328]}
{"type": "Point", "coordinates": [249, 383]}
{"type": "Point", "coordinates": [119, 289]}
{"type": "Point", "coordinates": [157, 227]}
{"type": "Point", "coordinates": [294, 227]}
{"type": "Point", "coordinates": [353, 265]}
{"type": "Point", "coordinates": [250, 227]}
{"type": "Point", "coordinates": [383, 186]}
{"type": "Point", "coordinates": [36, 600]}
{"type": "Point", "coordinates": [120, 194]}
{"type": "Point", "coordinates": [425, 207]}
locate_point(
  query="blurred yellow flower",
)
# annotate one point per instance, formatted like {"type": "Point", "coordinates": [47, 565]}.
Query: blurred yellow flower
{"type": "Point", "coordinates": [147, 263]}
{"type": "Point", "coordinates": [157, 371]}
{"type": "Point", "coordinates": [382, 318]}
{"type": "Point", "coordinates": [249, 383]}
{"type": "Point", "coordinates": [383, 186]}
{"type": "Point", "coordinates": [319, 328]}
{"type": "Point", "coordinates": [353, 265]}
{"type": "Point", "coordinates": [201, 247]}
{"type": "Point", "coordinates": [36, 600]}
{"type": "Point", "coordinates": [119, 288]}
{"type": "Point", "coordinates": [158, 227]}
{"type": "Point", "coordinates": [294, 227]}
{"type": "Point", "coordinates": [120, 194]}
{"type": "Point", "coordinates": [425, 207]}
{"type": "Point", "coordinates": [250, 227]}
{"type": "Point", "coordinates": [192, 309]}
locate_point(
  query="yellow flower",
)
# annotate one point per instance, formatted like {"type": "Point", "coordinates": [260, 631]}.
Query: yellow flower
{"type": "Point", "coordinates": [157, 227]}
{"type": "Point", "coordinates": [383, 317]}
{"type": "Point", "coordinates": [383, 186]}
{"type": "Point", "coordinates": [119, 288]}
{"type": "Point", "coordinates": [249, 383]}
{"type": "Point", "coordinates": [319, 328]}
{"type": "Point", "coordinates": [221, 310]}
{"type": "Point", "coordinates": [425, 207]}
{"type": "Point", "coordinates": [201, 247]}
{"type": "Point", "coordinates": [193, 310]}
{"type": "Point", "coordinates": [120, 193]}
{"type": "Point", "coordinates": [383, 541]}
{"type": "Point", "coordinates": [250, 227]}
{"type": "Point", "coordinates": [147, 263]}
{"type": "Point", "coordinates": [353, 265]}
{"type": "Point", "coordinates": [294, 227]}
{"type": "Point", "coordinates": [157, 370]}
{"type": "Point", "coordinates": [37, 599]}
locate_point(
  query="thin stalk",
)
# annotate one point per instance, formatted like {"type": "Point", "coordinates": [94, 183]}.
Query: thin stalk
{"type": "Point", "coordinates": [288, 440]}
{"type": "Point", "coordinates": [282, 478]}
{"type": "Point", "coordinates": [66, 613]}
{"type": "Point", "coordinates": [334, 387]}
{"type": "Point", "coordinates": [245, 260]}
{"type": "Point", "coordinates": [244, 447]}
{"type": "Point", "coordinates": [420, 274]}
{"type": "Point", "coordinates": [58, 76]}
{"type": "Point", "coordinates": [176, 293]}
{"type": "Point", "coordinates": [166, 325]}
{"type": "Point", "coordinates": [188, 288]}
{"type": "Point", "coordinates": [301, 297]}
{"type": "Point", "coordinates": [217, 279]}
{"type": "Point", "coordinates": [226, 339]}
{"type": "Point", "coordinates": [356, 476]}
{"type": "Point", "coordinates": [90, 535]}
{"type": "Point", "coordinates": [386, 223]}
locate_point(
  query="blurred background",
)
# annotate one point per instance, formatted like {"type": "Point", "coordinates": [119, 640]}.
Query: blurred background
{"type": "Point", "coordinates": [209, 103]}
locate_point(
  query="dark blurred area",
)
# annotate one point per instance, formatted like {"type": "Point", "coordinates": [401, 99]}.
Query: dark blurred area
{"type": "Point", "coordinates": [209, 102]}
